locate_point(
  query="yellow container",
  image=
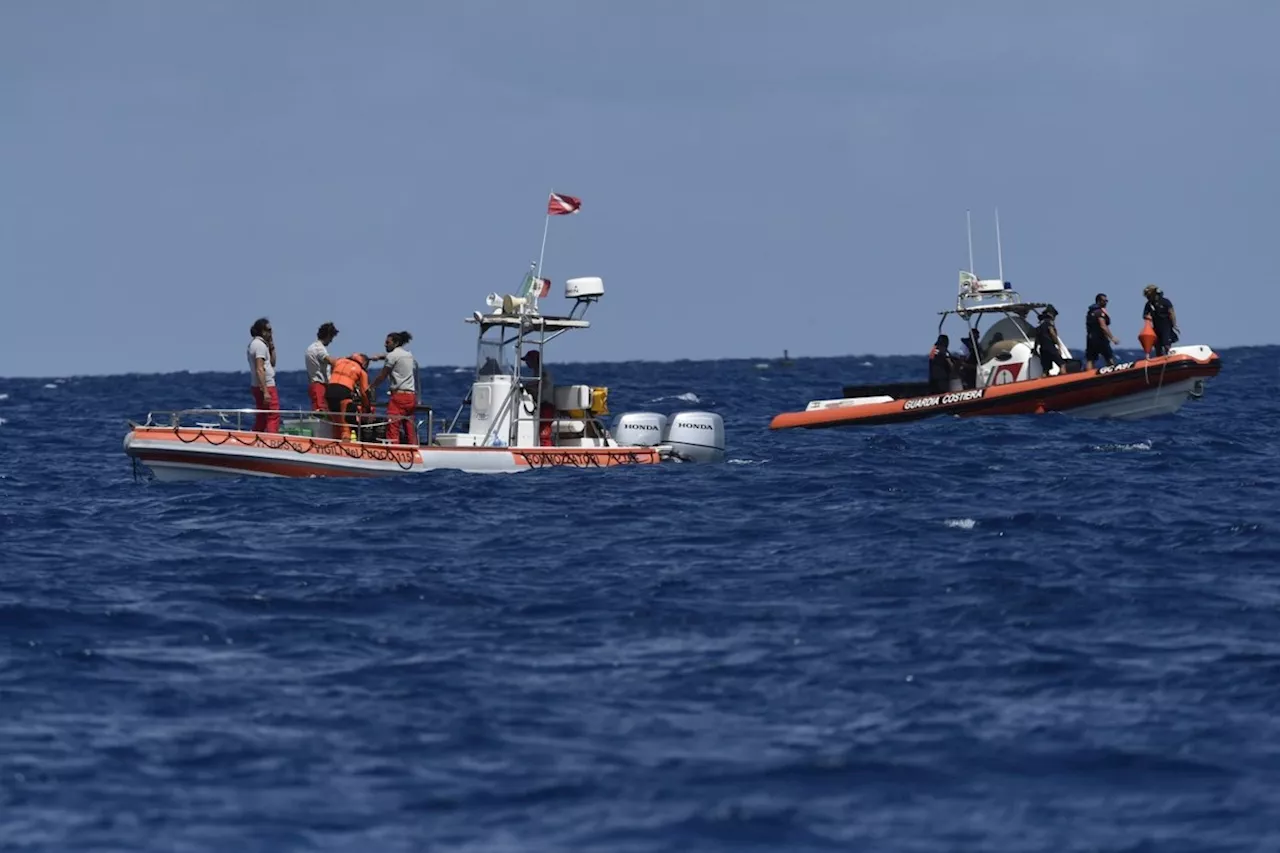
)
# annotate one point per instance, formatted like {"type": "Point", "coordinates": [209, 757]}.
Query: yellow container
{"type": "Point", "coordinates": [599, 401]}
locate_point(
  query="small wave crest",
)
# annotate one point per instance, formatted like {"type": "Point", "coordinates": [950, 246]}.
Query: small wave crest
{"type": "Point", "coordinates": [1110, 448]}
{"type": "Point", "coordinates": [960, 523]}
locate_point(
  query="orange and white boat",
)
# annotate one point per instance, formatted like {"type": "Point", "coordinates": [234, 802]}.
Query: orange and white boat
{"type": "Point", "coordinates": [1008, 378]}
{"type": "Point", "coordinates": [514, 422]}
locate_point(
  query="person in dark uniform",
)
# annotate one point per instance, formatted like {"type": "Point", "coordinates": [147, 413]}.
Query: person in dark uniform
{"type": "Point", "coordinates": [1098, 334]}
{"type": "Point", "coordinates": [1047, 341]}
{"type": "Point", "coordinates": [973, 356]}
{"type": "Point", "coordinates": [1164, 320]}
{"type": "Point", "coordinates": [942, 366]}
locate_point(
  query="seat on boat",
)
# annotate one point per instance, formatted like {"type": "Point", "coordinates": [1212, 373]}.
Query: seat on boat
{"type": "Point", "coordinates": [1001, 350]}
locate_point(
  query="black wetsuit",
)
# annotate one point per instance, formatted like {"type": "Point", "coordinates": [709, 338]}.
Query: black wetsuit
{"type": "Point", "coordinates": [1047, 345]}
{"type": "Point", "coordinates": [969, 367]}
{"type": "Point", "coordinates": [1160, 310]}
{"type": "Point", "coordinates": [1097, 344]}
{"type": "Point", "coordinates": [942, 369]}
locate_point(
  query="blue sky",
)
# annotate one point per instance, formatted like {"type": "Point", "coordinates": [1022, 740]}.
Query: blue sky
{"type": "Point", "coordinates": [754, 176]}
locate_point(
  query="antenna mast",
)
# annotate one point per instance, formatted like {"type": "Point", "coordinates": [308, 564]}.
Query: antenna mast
{"type": "Point", "coordinates": [968, 224]}
{"type": "Point", "coordinates": [999, 253]}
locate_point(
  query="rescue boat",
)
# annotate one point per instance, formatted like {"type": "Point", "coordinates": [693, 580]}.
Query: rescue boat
{"type": "Point", "coordinates": [514, 422]}
{"type": "Point", "coordinates": [1007, 378]}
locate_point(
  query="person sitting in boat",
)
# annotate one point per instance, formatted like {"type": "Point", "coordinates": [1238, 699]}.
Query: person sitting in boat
{"type": "Point", "coordinates": [1164, 320]}
{"type": "Point", "coordinates": [547, 412]}
{"type": "Point", "coordinates": [1047, 343]}
{"type": "Point", "coordinates": [1098, 334]}
{"type": "Point", "coordinates": [348, 391]}
{"type": "Point", "coordinates": [943, 366]}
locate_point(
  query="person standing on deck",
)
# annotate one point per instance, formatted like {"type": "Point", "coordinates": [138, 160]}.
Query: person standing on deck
{"type": "Point", "coordinates": [348, 385]}
{"type": "Point", "coordinates": [1048, 345]}
{"type": "Point", "coordinates": [262, 370]}
{"type": "Point", "coordinates": [1098, 334]}
{"type": "Point", "coordinates": [320, 365]}
{"type": "Point", "coordinates": [401, 368]}
{"type": "Point", "coordinates": [1164, 320]}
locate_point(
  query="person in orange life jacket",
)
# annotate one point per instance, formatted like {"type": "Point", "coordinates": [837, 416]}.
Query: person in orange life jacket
{"type": "Point", "coordinates": [349, 383]}
{"type": "Point", "coordinates": [319, 364]}
{"type": "Point", "coordinates": [262, 370]}
{"type": "Point", "coordinates": [943, 367]}
{"type": "Point", "coordinates": [1047, 342]}
{"type": "Point", "coordinates": [1164, 320]}
{"type": "Point", "coordinates": [402, 370]}
{"type": "Point", "coordinates": [1098, 335]}
{"type": "Point", "coordinates": [543, 385]}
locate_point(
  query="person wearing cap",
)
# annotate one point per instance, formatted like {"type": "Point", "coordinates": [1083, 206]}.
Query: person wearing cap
{"type": "Point", "coordinates": [1098, 334]}
{"type": "Point", "coordinates": [1047, 343]}
{"type": "Point", "coordinates": [1164, 320]}
{"type": "Point", "coordinates": [319, 364]}
{"type": "Point", "coordinates": [943, 369]}
{"type": "Point", "coordinates": [348, 383]}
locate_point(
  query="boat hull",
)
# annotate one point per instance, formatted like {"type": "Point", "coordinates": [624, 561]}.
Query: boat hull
{"type": "Point", "coordinates": [1131, 390]}
{"type": "Point", "coordinates": [196, 453]}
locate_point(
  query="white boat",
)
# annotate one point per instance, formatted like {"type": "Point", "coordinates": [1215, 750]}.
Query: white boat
{"type": "Point", "coordinates": [511, 425]}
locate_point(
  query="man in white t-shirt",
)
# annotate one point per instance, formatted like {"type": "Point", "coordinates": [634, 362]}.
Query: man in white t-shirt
{"type": "Point", "coordinates": [262, 370]}
{"type": "Point", "coordinates": [319, 366]}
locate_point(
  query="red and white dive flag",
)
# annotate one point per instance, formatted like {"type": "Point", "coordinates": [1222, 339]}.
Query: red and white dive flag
{"type": "Point", "coordinates": [559, 205]}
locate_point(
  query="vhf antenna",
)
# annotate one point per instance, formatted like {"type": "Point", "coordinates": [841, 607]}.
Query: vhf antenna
{"type": "Point", "coordinates": [999, 253]}
{"type": "Point", "coordinates": [968, 222]}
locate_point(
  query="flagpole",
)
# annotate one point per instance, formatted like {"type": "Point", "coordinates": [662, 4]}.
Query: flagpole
{"type": "Point", "coordinates": [545, 223]}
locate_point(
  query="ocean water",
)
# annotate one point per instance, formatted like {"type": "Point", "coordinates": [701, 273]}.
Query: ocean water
{"type": "Point", "coordinates": [1022, 634]}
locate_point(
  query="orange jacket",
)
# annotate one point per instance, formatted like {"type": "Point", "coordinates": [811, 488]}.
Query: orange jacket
{"type": "Point", "coordinates": [349, 373]}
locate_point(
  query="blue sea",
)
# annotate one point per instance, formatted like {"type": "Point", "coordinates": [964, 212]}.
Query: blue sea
{"type": "Point", "coordinates": [997, 634]}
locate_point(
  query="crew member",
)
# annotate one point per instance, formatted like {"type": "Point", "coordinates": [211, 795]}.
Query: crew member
{"type": "Point", "coordinates": [319, 363]}
{"type": "Point", "coordinates": [1164, 320]}
{"type": "Point", "coordinates": [942, 366]}
{"type": "Point", "coordinates": [262, 370]}
{"type": "Point", "coordinates": [973, 356]}
{"type": "Point", "coordinates": [348, 384]}
{"type": "Point", "coordinates": [1098, 334]}
{"type": "Point", "coordinates": [402, 370]}
{"type": "Point", "coordinates": [1047, 342]}
{"type": "Point", "coordinates": [543, 385]}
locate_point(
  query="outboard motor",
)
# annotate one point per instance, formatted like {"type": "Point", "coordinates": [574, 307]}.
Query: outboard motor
{"type": "Point", "coordinates": [696, 436]}
{"type": "Point", "coordinates": [640, 429]}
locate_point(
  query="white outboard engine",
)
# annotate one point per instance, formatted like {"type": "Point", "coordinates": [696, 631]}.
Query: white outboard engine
{"type": "Point", "coordinates": [696, 436]}
{"type": "Point", "coordinates": [640, 429]}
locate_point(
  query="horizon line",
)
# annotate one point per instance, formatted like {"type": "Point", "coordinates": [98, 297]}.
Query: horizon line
{"type": "Point", "coordinates": [755, 359]}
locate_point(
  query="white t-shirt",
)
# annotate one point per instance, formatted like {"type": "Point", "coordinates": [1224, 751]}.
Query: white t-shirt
{"type": "Point", "coordinates": [403, 368]}
{"type": "Point", "coordinates": [318, 369]}
{"type": "Point", "coordinates": [258, 350]}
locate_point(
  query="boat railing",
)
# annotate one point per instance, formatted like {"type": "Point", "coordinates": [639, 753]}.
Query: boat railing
{"type": "Point", "coordinates": [235, 419]}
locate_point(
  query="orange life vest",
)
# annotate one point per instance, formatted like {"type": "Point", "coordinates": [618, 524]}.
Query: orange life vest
{"type": "Point", "coordinates": [348, 372]}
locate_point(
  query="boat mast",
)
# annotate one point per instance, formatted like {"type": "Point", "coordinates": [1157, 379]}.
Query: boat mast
{"type": "Point", "coordinates": [968, 223]}
{"type": "Point", "coordinates": [999, 253]}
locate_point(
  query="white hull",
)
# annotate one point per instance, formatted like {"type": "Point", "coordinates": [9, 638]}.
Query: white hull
{"type": "Point", "coordinates": [204, 454]}
{"type": "Point", "coordinates": [1143, 404]}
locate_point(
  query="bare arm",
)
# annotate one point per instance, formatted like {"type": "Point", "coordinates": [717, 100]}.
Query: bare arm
{"type": "Point", "coordinates": [1106, 327]}
{"type": "Point", "coordinates": [262, 374]}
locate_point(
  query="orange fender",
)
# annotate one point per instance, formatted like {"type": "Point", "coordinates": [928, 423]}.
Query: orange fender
{"type": "Point", "coordinates": [1147, 337]}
